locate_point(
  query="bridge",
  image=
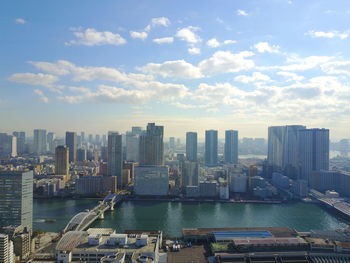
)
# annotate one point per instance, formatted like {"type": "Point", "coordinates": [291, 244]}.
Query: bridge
{"type": "Point", "coordinates": [84, 219]}
{"type": "Point", "coordinates": [339, 204]}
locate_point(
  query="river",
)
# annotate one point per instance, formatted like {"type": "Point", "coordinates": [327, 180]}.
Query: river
{"type": "Point", "coordinates": [172, 217]}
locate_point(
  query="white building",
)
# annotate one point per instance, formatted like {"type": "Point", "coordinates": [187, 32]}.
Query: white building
{"type": "Point", "coordinates": [104, 245]}
{"type": "Point", "coordinates": [151, 180]}
{"type": "Point", "coordinates": [6, 250]}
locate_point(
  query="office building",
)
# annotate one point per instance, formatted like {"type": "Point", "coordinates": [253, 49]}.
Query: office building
{"type": "Point", "coordinates": [115, 157]}
{"type": "Point", "coordinates": [71, 143]}
{"type": "Point", "coordinates": [190, 174]}
{"type": "Point", "coordinates": [82, 155]}
{"type": "Point", "coordinates": [21, 140]}
{"type": "Point", "coordinates": [231, 147]}
{"type": "Point", "coordinates": [172, 143]}
{"type": "Point", "coordinates": [151, 180]}
{"type": "Point", "coordinates": [51, 141]}
{"type": "Point", "coordinates": [211, 148]}
{"type": "Point", "coordinates": [191, 146]}
{"type": "Point", "coordinates": [313, 151]}
{"type": "Point", "coordinates": [132, 147]}
{"type": "Point", "coordinates": [208, 189]}
{"type": "Point", "coordinates": [151, 145]}
{"type": "Point", "coordinates": [283, 152]}
{"type": "Point", "coordinates": [62, 161]}
{"type": "Point", "coordinates": [8, 145]}
{"type": "Point", "coordinates": [16, 198]}
{"type": "Point", "coordinates": [40, 144]}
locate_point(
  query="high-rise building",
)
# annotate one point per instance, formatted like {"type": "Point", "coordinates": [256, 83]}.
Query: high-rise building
{"type": "Point", "coordinates": [82, 155]}
{"type": "Point", "coordinates": [191, 146]}
{"type": "Point", "coordinates": [151, 146]}
{"type": "Point", "coordinates": [283, 153]}
{"type": "Point", "coordinates": [21, 140]}
{"type": "Point", "coordinates": [8, 145]}
{"type": "Point", "coordinates": [16, 198]}
{"type": "Point", "coordinates": [115, 157]}
{"type": "Point", "coordinates": [190, 174]}
{"type": "Point", "coordinates": [313, 151]}
{"type": "Point", "coordinates": [71, 143]}
{"type": "Point", "coordinates": [231, 146]}
{"type": "Point", "coordinates": [132, 147]}
{"type": "Point", "coordinates": [51, 141]}
{"type": "Point", "coordinates": [82, 137]}
{"type": "Point", "coordinates": [211, 148]}
{"type": "Point", "coordinates": [62, 160]}
{"type": "Point", "coordinates": [6, 249]}
{"type": "Point", "coordinates": [40, 143]}
{"type": "Point", "coordinates": [172, 143]}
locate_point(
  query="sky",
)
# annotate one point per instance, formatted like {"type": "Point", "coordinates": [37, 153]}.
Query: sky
{"type": "Point", "coordinates": [95, 66]}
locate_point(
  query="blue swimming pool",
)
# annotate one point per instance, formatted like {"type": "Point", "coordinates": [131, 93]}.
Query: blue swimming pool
{"type": "Point", "coordinates": [228, 234]}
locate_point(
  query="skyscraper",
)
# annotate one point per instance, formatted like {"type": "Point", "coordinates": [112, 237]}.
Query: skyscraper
{"type": "Point", "coordinates": [313, 151]}
{"type": "Point", "coordinates": [191, 146]}
{"type": "Point", "coordinates": [62, 160]}
{"type": "Point", "coordinates": [115, 157]}
{"type": "Point", "coordinates": [21, 140]}
{"type": "Point", "coordinates": [51, 141]}
{"type": "Point", "coordinates": [132, 147]}
{"type": "Point", "coordinates": [211, 148]}
{"type": "Point", "coordinates": [231, 146]}
{"type": "Point", "coordinates": [71, 143]}
{"type": "Point", "coordinates": [40, 144]}
{"type": "Point", "coordinates": [16, 198]}
{"type": "Point", "coordinates": [8, 145]}
{"type": "Point", "coordinates": [283, 143]}
{"type": "Point", "coordinates": [151, 145]}
{"type": "Point", "coordinates": [172, 143]}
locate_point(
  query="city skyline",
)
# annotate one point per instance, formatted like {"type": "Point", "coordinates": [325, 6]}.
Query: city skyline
{"type": "Point", "coordinates": [180, 65]}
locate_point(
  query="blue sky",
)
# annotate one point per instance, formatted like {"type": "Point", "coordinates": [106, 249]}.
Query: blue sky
{"type": "Point", "coordinates": [189, 65]}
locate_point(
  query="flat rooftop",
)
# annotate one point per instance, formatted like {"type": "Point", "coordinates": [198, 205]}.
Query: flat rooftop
{"type": "Point", "coordinates": [79, 241]}
{"type": "Point", "coordinates": [241, 231]}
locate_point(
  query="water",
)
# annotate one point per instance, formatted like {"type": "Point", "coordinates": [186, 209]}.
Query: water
{"type": "Point", "coordinates": [172, 217]}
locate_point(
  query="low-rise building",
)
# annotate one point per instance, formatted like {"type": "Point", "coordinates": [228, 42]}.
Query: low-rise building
{"type": "Point", "coordinates": [105, 245]}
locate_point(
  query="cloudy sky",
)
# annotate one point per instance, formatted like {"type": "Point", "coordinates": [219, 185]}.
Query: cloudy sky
{"type": "Point", "coordinates": [189, 65]}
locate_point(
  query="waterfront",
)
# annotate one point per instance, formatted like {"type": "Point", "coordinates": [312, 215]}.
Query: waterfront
{"type": "Point", "coordinates": [172, 217]}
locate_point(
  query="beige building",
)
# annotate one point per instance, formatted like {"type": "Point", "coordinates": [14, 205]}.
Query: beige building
{"type": "Point", "coordinates": [62, 161]}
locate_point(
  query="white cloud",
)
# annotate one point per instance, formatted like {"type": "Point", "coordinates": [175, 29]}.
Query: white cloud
{"type": "Point", "coordinates": [328, 34]}
{"type": "Point", "coordinates": [229, 42]}
{"type": "Point", "coordinates": [213, 42]}
{"type": "Point", "coordinates": [194, 50]}
{"type": "Point", "coordinates": [91, 37]}
{"type": "Point", "coordinates": [305, 63]}
{"type": "Point", "coordinates": [42, 97]}
{"type": "Point", "coordinates": [160, 21]}
{"type": "Point", "coordinates": [226, 62]}
{"type": "Point", "coordinates": [39, 79]}
{"type": "Point", "coordinates": [20, 21]}
{"type": "Point", "coordinates": [188, 34]}
{"type": "Point", "coordinates": [173, 69]}
{"type": "Point", "coordinates": [256, 77]}
{"type": "Point", "coordinates": [290, 76]}
{"type": "Point", "coordinates": [337, 67]}
{"type": "Point", "coordinates": [163, 40]}
{"type": "Point", "coordinates": [141, 35]}
{"type": "Point", "coordinates": [62, 67]}
{"type": "Point", "coordinates": [265, 47]}
{"type": "Point", "coordinates": [241, 12]}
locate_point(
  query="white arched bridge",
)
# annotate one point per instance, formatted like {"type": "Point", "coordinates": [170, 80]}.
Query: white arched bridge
{"type": "Point", "coordinates": [82, 220]}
